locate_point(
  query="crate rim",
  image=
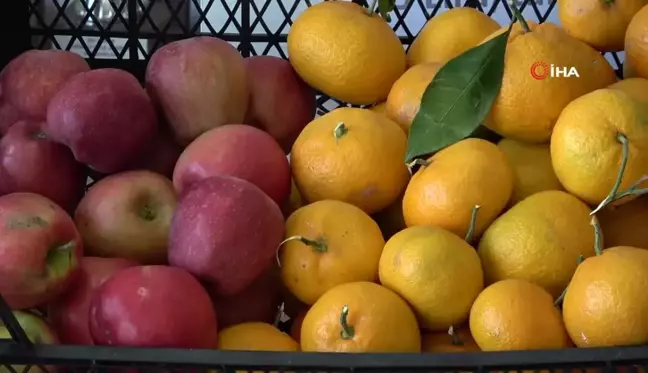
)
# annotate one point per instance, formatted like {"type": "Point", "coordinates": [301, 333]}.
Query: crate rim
{"type": "Point", "coordinates": [11, 353]}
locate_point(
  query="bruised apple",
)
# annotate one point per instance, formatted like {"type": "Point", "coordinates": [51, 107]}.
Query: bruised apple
{"type": "Point", "coordinates": [40, 250]}
{"type": "Point", "coordinates": [198, 83]}
{"type": "Point", "coordinates": [127, 215]}
{"type": "Point", "coordinates": [69, 313]}
{"type": "Point", "coordinates": [52, 172]}
{"type": "Point", "coordinates": [153, 306]}
{"type": "Point", "coordinates": [225, 231]}
{"type": "Point", "coordinates": [32, 78]}
{"type": "Point", "coordinates": [236, 150]}
{"type": "Point", "coordinates": [104, 116]}
{"type": "Point", "coordinates": [281, 103]}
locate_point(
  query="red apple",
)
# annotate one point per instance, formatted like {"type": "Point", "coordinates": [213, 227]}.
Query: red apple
{"type": "Point", "coordinates": [225, 231]}
{"type": "Point", "coordinates": [198, 83]}
{"type": "Point", "coordinates": [37, 331]}
{"type": "Point", "coordinates": [153, 306]}
{"type": "Point", "coordinates": [236, 150]}
{"type": "Point", "coordinates": [281, 103]}
{"type": "Point", "coordinates": [127, 215]}
{"type": "Point", "coordinates": [31, 79]}
{"type": "Point", "coordinates": [8, 115]}
{"type": "Point", "coordinates": [158, 155]}
{"type": "Point", "coordinates": [40, 250]}
{"type": "Point", "coordinates": [104, 116]}
{"type": "Point", "coordinates": [52, 172]}
{"type": "Point", "coordinates": [69, 314]}
{"type": "Point", "coordinates": [258, 302]}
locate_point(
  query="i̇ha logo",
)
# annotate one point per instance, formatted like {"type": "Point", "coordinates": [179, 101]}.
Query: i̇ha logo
{"type": "Point", "coordinates": [541, 70]}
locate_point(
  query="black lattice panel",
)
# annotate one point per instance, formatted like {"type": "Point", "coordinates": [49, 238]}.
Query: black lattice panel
{"type": "Point", "coordinates": [124, 33]}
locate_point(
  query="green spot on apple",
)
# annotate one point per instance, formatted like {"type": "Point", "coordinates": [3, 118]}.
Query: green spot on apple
{"type": "Point", "coordinates": [60, 259]}
{"type": "Point", "coordinates": [147, 213]}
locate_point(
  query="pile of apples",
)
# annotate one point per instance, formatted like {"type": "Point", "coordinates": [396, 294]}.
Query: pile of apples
{"type": "Point", "coordinates": [176, 237]}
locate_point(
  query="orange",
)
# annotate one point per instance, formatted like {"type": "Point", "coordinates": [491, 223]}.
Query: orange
{"type": "Point", "coordinates": [606, 302]}
{"type": "Point", "coordinates": [585, 151]}
{"type": "Point", "coordinates": [599, 23]}
{"type": "Point", "coordinates": [449, 34]}
{"type": "Point", "coordinates": [459, 340]}
{"type": "Point", "coordinates": [360, 317]}
{"type": "Point", "coordinates": [435, 271]}
{"type": "Point", "coordinates": [351, 155]}
{"type": "Point", "coordinates": [636, 88]}
{"type": "Point", "coordinates": [625, 225]}
{"type": "Point", "coordinates": [468, 173]}
{"type": "Point", "coordinates": [636, 46]}
{"type": "Point", "coordinates": [329, 243]}
{"type": "Point", "coordinates": [255, 336]}
{"type": "Point", "coordinates": [379, 108]}
{"type": "Point", "coordinates": [531, 166]}
{"type": "Point", "coordinates": [404, 100]}
{"type": "Point", "coordinates": [526, 108]}
{"type": "Point", "coordinates": [516, 315]}
{"type": "Point", "coordinates": [539, 240]}
{"type": "Point", "coordinates": [338, 48]}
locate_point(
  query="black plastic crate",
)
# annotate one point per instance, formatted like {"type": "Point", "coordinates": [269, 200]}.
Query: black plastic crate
{"type": "Point", "coordinates": [27, 24]}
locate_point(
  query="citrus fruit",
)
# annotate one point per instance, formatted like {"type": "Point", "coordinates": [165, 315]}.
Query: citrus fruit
{"type": "Point", "coordinates": [360, 317]}
{"type": "Point", "coordinates": [468, 173]}
{"type": "Point", "coordinates": [532, 168]}
{"type": "Point", "coordinates": [636, 46]}
{"type": "Point", "coordinates": [600, 23]}
{"type": "Point", "coordinates": [337, 156]}
{"type": "Point", "coordinates": [586, 152]}
{"type": "Point", "coordinates": [606, 302]}
{"type": "Point", "coordinates": [435, 271]}
{"type": "Point", "coordinates": [404, 100]}
{"type": "Point", "coordinates": [449, 34]}
{"type": "Point", "coordinates": [342, 50]}
{"type": "Point", "coordinates": [515, 314]}
{"type": "Point", "coordinates": [636, 88]}
{"type": "Point", "coordinates": [459, 340]}
{"type": "Point", "coordinates": [255, 336]}
{"type": "Point", "coordinates": [379, 108]}
{"type": "Point", "coordinates": [526, 108]}
{"type": "Point", "coordinates": [539, 240]}
{"type": "Point", "coordinates": [625, 225]}
{"type": "Point", "coordinates": [328, 243]}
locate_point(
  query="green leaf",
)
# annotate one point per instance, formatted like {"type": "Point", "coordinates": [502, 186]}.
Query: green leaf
{"type": "Point", "coordinates": [385, 7]}
{"type": "Point", "coordinates": [458, 98]}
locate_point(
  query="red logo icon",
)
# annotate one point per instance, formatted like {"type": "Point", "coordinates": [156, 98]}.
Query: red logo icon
{"type": "Point", "coordinates": [539, 70]}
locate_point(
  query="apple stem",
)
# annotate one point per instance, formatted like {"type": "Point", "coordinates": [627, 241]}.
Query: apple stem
{"type": "Point", "coordinates": [519, 17]}
{"type": "Point", "coordinates": [340, 130]}
{"type": "Point", "coordinates": [473, 222]}
{"type": "Point", "coordinates": [347, 330]}
{"type": "Point", "coordinates": [417, 162]}
{"type": "Point", "coordinates": [455, 337]}
{"type": "Point", "coordinates": [318, 245]}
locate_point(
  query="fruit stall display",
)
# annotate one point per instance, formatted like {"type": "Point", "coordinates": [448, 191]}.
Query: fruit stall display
{"type": "Point", "coordinates": [357, 194]}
